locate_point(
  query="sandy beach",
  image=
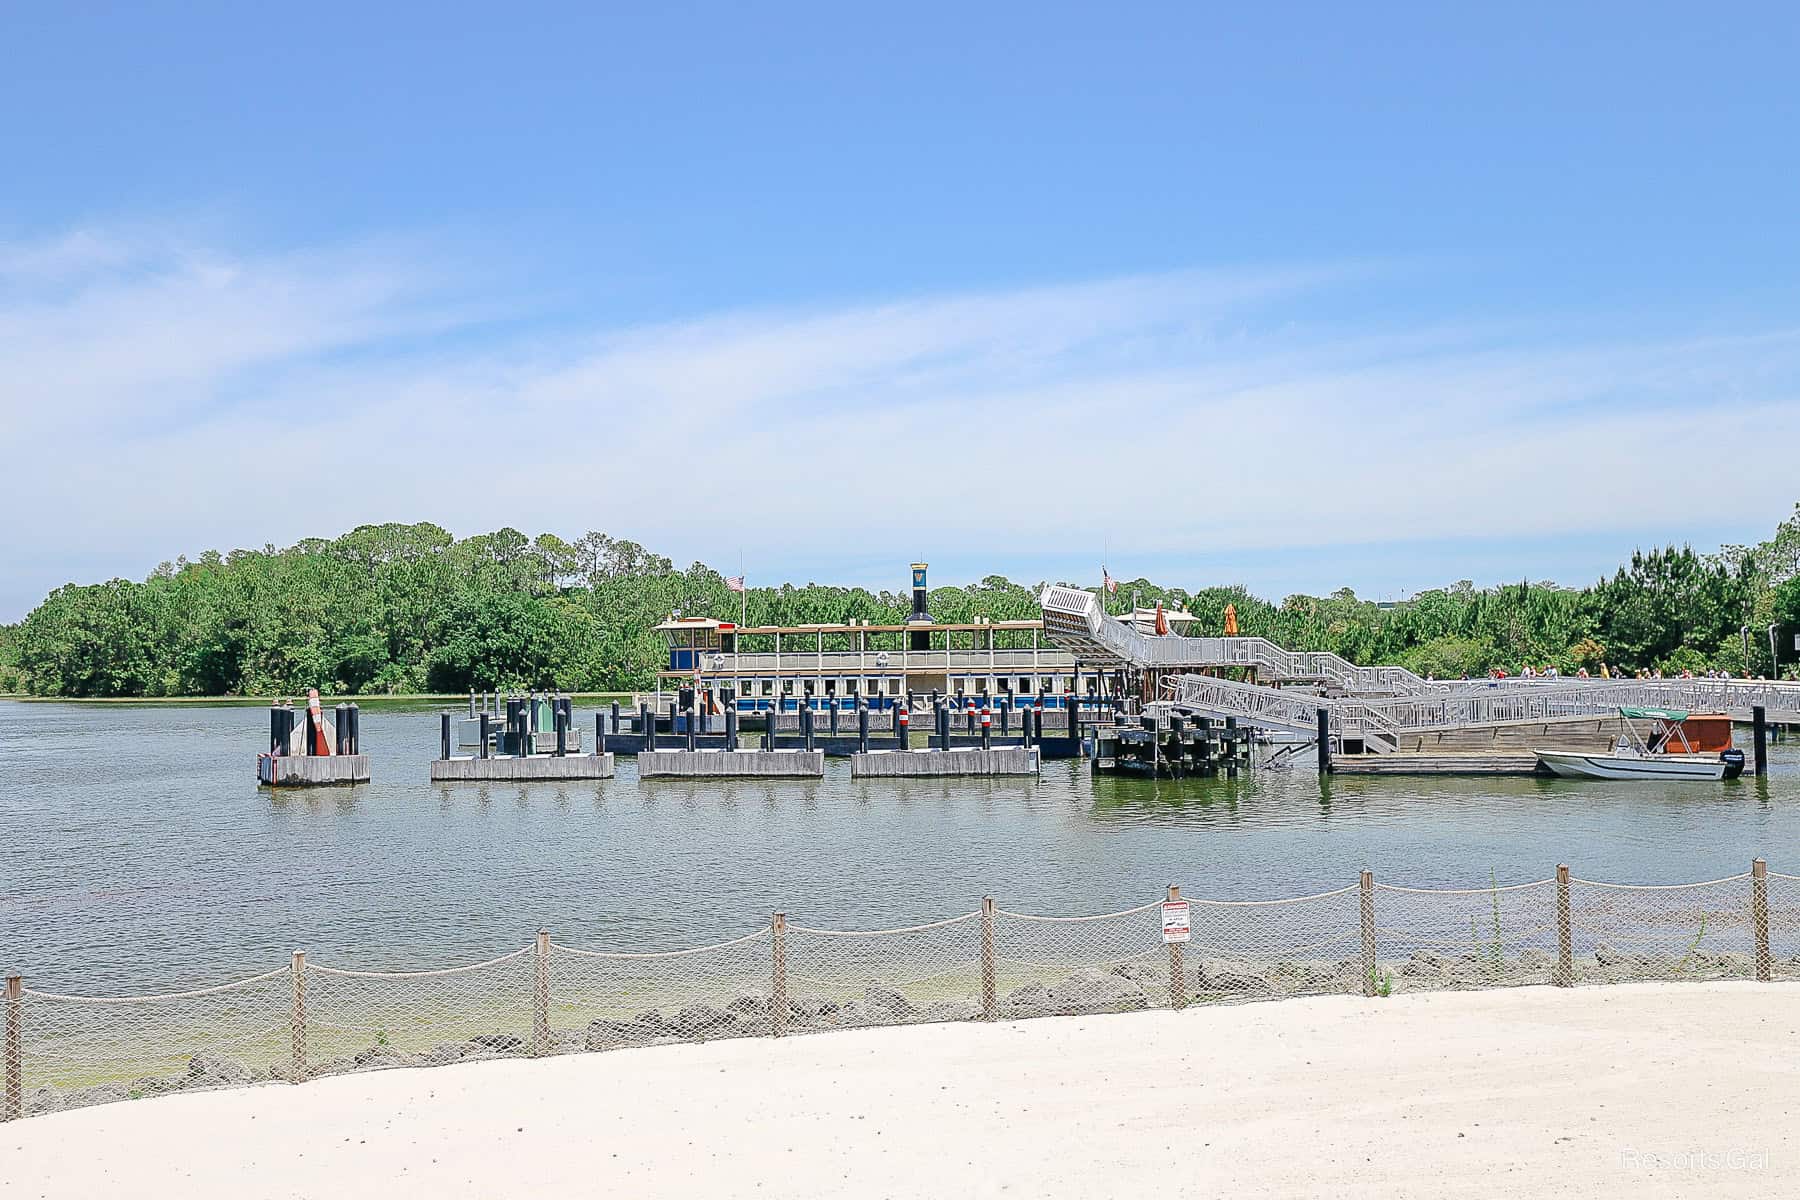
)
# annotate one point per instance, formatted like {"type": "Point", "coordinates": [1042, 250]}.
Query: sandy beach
{"type": "Point", "coordinates": [1641, 1090]}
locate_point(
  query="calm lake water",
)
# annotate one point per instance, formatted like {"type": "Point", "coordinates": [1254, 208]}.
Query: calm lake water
{"type": "Point", "coordinates": [137, 853]}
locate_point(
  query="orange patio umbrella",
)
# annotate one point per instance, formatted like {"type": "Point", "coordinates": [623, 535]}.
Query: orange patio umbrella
{"type": "Point", "coordinates": [1231, 626]}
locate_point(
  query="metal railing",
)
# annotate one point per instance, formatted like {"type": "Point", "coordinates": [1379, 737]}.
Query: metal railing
{"type": "Point", "coordinates": [305, 1019]}
{"type": "Point", "coordinates": [1283, 709]}
{"type": "Point", "coordinates": [877, 662]}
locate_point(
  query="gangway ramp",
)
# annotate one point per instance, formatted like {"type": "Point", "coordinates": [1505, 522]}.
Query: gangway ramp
{"type": "Point", "coordinates": [1075, 620]}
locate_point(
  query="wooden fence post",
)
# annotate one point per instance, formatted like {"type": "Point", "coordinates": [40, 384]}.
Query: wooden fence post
{"type": "Point", "coordinates": [297, 1073]}
{"type": "Point", "coordinates": [13, 1106]}
{"type": "Point", "coordinates": [1565, 940]}
{"type": "Point", "coordinates": [540, 996]}
{"type": "Point", "coordinates": [1759, 916]}
{"type": "Point", "coordinates": [778, 999]}
{"type": "Point", "coordinates": [1177, 976]}
{"type": "Point", "coordinates": [990, 1003]}
{"type": "Point", "coordinates": [1366, 885]}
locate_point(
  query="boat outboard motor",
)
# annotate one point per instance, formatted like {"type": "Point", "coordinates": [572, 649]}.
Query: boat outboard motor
{"type": "Point", "coordinates": [1734, 762]}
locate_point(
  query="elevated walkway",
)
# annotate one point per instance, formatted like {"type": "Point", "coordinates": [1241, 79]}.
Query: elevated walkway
{"type": "Point", "coordinates": [1377, 705]}
{"type": "Point", "coordinates": [1075, 621]}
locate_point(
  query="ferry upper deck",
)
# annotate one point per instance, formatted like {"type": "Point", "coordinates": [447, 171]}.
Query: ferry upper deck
{"type": "Point", "coordinates": [778, 666]}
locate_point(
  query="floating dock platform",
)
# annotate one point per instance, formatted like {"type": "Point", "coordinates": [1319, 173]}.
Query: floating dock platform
{"type": "Point", "coordinates": [900, 764]}
{"type": "Point", "coordinates": [310, 770]}
{"type": "Point", "coordinates": [1497, 762]}
{"type": "Point", "coordinates": [728, 764]}
{"type": "Point", "coordinates": [515, 769]}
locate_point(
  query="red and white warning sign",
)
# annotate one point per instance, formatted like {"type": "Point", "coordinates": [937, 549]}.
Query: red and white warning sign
{"type": "Point", "coordinates": [1175, 920]}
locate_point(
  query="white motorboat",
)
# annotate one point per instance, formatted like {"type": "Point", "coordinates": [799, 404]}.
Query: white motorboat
{"type": "Point", "coordinates": [1667, 755]}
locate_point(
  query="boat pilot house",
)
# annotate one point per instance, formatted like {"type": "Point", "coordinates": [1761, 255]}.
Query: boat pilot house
{"type": "Point", "coordinates": [763, 667]}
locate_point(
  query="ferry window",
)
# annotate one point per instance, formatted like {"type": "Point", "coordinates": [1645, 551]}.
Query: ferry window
{"type": "Point", "coordinates": [787, 687]}
{"type": "Point", "coordinates": [768, 687]}
{"type": "Point", "coordinates": [959, 687]}
{"type": "Point", "coordinates": [850, 686]}
{"type": "Point", "coordinates": [831, 687]}
{"type": "Point", "coordinates": [808, 685]}
{"type": "Point", "coordinates": [1024, 685]}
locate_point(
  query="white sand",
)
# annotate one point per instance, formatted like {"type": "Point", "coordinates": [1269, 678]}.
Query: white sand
{"type": "Point", "coordinates": [1531, 1092]}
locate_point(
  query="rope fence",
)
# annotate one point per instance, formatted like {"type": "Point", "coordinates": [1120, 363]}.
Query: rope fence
{"type": "Point", "coordinates": [306, 1020]}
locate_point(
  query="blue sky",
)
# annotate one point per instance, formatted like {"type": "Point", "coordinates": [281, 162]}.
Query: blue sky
{"type": "Point", "coordinates": [1384, 296]}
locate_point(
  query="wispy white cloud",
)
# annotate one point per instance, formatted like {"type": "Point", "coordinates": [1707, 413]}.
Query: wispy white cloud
{"type": "Point", "coordinates": [161, 398]}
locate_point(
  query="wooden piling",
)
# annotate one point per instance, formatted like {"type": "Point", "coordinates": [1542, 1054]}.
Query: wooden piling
{"type": "Point", "coordinates": [1366, 886]}
{"type": "Point", "coordinates": [540, 996]}
{"type": "Point", "coordinates": [990, 1002]}
{"type": "Point", "coordinates": [778, 999]}
{"type": "Point", "coordinates": [1177, 971]}
{"type": "Point", "coordinates": [12, 1104]}
{"type": "Point", "coordinates": [1565, 939]}
{"type": "Point", "coordinates": [1759, 917]}
{"type": "Point", "coordinates": [1759, 730]}
{"type": "Point", "coordinates": [297, 1063]}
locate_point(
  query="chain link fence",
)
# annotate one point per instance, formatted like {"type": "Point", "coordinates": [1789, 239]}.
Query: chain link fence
{"type": "Point", "coordinates": [305, 1019]}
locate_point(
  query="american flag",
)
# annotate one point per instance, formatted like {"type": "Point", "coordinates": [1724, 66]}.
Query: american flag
{"type": "Point", "coordinates": [1111, 584]}
{"type": "Point", "coordinates": [735, 583]}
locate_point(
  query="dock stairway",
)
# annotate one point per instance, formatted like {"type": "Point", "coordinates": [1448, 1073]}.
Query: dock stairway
{"type": "Point", "coordinates": [1076, 621]}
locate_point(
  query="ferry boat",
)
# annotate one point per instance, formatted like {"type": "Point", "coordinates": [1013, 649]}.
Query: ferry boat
{"type": "Point", "coordinates": [764, 667]}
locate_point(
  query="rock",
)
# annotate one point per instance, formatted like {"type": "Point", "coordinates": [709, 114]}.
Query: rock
{"type": "Point", "coordinates": [44, 1100]}
{"type": "Point", "coordinates": [750, 1006]}
{"type": "Point", "coordinates": [379, 1056]}
{"type": "Point", "coordinates": [889, 1005]}
{"type": "Point", "coordinates": [703, 1021]}
{"type": "Point", "coordinates": [951, 1010]}
{"type": "Point", "coordinates": [1306, 976]}
{"type": "Point", "coordinates": [444, 1053]}
{"type": "Point", "coordinates": [812, 1008]}
{"type": "Point", "coordinates": [1141, 973]}
{"type": "Point", "coordinates": [102, 1093]}
{"type": "Point", "coordinates": [655, 1024]}
{"type": "Point", "coordinates": [609, 1035]}
{"type": "Point", "coordinates": [206, 1071]}
{"type": "Point", "coordinates": [853, 1013]}
{"type": "Point", "coordinates": [1533, 959]}
{"type": "Point", "coordinates": [1096, 990]}
{"type": "Point", "coordinates": [504, 1043]}
{"type": "Point", "coordinates": [1239, 982]}
{"type": "Point", "coordinates": [1031, 996]}
{"type": "Point", "coordinates": [157, 1085]}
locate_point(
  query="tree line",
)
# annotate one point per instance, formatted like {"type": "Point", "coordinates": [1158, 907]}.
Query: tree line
{"type": "Point", "coordinates": [409, 608]}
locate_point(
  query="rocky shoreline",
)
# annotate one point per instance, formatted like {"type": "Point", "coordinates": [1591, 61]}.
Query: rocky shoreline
{"type": "Point", "coordinates": [1122, 987]}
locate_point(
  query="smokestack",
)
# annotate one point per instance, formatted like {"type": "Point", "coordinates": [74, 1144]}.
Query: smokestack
{"type": "Point", "coordinates": [919, 639]}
